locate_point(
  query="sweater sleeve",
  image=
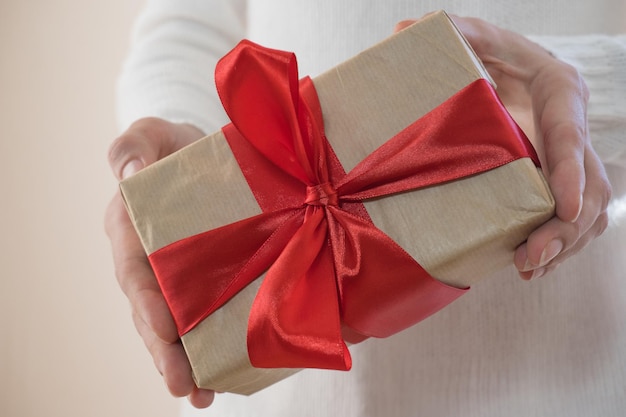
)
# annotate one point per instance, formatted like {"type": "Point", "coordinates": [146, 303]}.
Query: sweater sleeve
{"type": "Point", "coordinates": [601, 60]}
{"type": "Point", "coordinates": [168, 72]}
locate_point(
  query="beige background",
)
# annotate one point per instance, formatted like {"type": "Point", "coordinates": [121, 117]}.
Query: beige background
{"type": "Point", "coordinates": [67, 344]}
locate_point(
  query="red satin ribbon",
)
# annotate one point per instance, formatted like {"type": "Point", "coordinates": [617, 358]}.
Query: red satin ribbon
{"type": "Point", "coordinates": [326, 263]}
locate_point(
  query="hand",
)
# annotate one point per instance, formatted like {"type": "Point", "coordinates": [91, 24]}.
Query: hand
{"type": "Point", "coordinates": [145, 142]}
{"type": "Point", "coordinates": [548, 99]}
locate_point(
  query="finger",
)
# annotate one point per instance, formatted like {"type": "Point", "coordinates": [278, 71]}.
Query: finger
{"type": "Point", "coordinates": [556, 240]}
{"type": "Point", "coordinates": [593, 232]}
{"type": "Point", "coordinates": [539, 272]}
{"type": "Point", "coordinates": [135, 275]}
{"type": "Point", "coordinates": [594, 218]}
{"type": "Point", "coordinates": [597, 229]}
{"type": "Point", "coordinates": [403, 25]}
{"type": "Point", "coordinates": [201, 398]}
{"type": "Point", "coordinates": [169, 359]}
{"type": "Point", "coordinates": [172, 363]}
{"type": "Point", "coordinates": [560, 101]}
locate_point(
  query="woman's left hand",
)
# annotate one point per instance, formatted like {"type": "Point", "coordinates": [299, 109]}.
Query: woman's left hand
{"type": "Point", "coordinates": [548, 98]}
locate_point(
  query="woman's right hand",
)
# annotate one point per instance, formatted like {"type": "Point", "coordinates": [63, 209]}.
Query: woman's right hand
{"type": "Point", "coordinates": [145, 142]}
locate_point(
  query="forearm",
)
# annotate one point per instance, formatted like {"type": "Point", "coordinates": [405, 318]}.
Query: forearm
{"type": "Point", "coordinates": [169, 70]}
{"type": "Point", "coordinates": [601, 60]}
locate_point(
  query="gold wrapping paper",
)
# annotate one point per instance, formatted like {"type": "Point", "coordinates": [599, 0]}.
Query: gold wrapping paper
{"type": "Point", "coordinates": [460, 232]}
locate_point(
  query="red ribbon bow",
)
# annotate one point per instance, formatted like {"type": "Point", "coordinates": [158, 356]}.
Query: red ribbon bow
{"type": "Point", "coordinates": [327, 264]}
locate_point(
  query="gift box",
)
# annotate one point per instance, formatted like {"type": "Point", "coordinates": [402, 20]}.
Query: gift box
{"type": "Point", "coordinates": [333, 210]}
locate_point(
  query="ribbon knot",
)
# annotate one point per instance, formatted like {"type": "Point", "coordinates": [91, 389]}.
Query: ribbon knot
{"type": "Point", "coordinates": [321, 195]}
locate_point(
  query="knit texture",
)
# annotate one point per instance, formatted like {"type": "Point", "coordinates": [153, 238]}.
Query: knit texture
{"type": "Point", "coordinates": [176, 44]}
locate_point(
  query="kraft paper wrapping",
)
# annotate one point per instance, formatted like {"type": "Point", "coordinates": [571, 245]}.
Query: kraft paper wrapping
{"type": "Point", "coordinates": [460, 232]}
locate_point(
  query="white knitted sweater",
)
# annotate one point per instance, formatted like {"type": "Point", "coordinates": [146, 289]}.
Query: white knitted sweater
{"type": "Point", "coordinates": [176, 44]}
{"type": "Point", "coordinates": [554, 347]}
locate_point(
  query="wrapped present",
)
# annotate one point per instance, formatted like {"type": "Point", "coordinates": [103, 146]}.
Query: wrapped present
{"type": "Point", "coordinates": [332, 210]}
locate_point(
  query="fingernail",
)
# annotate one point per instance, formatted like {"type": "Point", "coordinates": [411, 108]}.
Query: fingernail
{"type": "Point", "coordinates": [131, 168]}
{"type": "Point", "coordinates": [551, 251]}
{"type": "Point", "coordinates": [538, 273]}
{"type": "Point", "coordinates": [580, 209]}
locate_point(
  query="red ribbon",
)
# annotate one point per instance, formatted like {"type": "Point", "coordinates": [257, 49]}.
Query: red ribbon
{"type": "Point", "coordinates": [327, 265]}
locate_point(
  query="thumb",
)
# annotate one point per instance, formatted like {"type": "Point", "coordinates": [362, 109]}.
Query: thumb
{"type": "Point", "coordinates": [136, 148]}
{"type": "Point", "coordinates": [146, 141]}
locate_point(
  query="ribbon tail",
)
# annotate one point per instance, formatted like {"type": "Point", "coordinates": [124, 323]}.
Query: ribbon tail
{"type": "Point", "coordinates": [470, 133]}
{"type": "Point", "coordinates": [295, 319]}
{"type": "Point", "coordinates": [383, 289]}
{"type": "Point", "coordinates": [200, 273]}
